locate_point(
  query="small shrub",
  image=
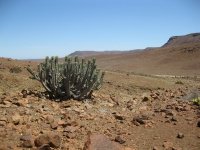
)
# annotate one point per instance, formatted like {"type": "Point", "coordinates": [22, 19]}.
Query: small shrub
{"type": "Point", "coordinates": [72, 79]}
{"type": "Point", "coordinates": [196, 101]}
{"type": "Point", "coordinates": [178, 82]}
{"type": "Point", "coordinates": [15, 69]}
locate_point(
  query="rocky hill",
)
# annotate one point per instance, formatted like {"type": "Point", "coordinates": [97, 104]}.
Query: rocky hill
{"type": "Point", "coordinates": [179, 56]}
{"type": "Point", "coordinates": [193, 38]}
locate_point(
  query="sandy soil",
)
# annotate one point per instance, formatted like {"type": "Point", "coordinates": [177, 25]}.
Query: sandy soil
{"type": "Point", "coordinates": [142, 112]}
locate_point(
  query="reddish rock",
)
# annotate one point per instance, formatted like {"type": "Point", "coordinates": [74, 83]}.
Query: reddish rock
{"type": "Point", "coordinates": [3, 118]}
{"type": "Point", "coordinates": [24, 93]}
{"type": "Point", "coordinates": [130, 105]}
{"type": "Point", "coordinates": [198, 123]}
{"type": "Point", "coordinates": [69, 135]}
{"type": "Point", "coordinates": [53, 140]}
{"type": "Point", "coordinates": [101, 142]}
{"type": "Point", "coordinates": [41, 140]}
{"type": "Point", "coordinates": [27, 141]}
{"type": "Point", "coordinates": [187, 108]}
{"type": "Point", "coordinates": [23, 102]}
{"type": "Point", "coordinates": [155, 148]}
{"type": "Point", "coordinates": [54, 125]}
{"type": "Point", "coordinates": [69, 132]}
{"type": "Point", "coordinates": [61, 123]}
{"type": "Point", "coordinates": [16, 119]}
{"type": "Point", "coordinates": [49, 119]}
{"type": "Point", "coordinates": [180, 135]}
{"type": "Point", "coordinates": [119, 140]}
{"type": "Point", "coordinates": [145, 98]}
{"type": "Point", "coordinates": [70, 129]}
{"type": "Point", "coordinates": [174, 118]}
{"type": "Point", "coordinates": [168, 145]}
{"type": "Point", "coordinates": [141, 119]}
{"type": "Point", "coordinates": [119, 117]}
{"type": "Point", "coordinates": [2, 123]}
{"type": "Point", "coordinates": [44, 147]}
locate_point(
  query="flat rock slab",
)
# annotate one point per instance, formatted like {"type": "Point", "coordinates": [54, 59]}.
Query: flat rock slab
{"type": "Point", "coordinates": [101, 142]}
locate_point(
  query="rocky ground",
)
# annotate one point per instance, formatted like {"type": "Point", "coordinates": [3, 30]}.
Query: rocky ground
{"type": "Point", "coordinates": [130, 112]}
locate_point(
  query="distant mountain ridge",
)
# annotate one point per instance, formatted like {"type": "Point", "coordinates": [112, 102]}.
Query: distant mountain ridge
{"type": "Point", "coordinates": [178, 56]}
{"type": "Point", "coordinates": [91, 53]}
{"type": "Point", "coordinates": [174, 41]}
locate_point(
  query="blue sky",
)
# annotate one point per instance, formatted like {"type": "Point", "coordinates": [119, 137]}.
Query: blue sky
{"type": "Point", "coordinates": [37, 28]}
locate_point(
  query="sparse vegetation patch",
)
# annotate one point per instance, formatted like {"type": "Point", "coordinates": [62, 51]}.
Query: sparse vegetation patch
{"type": "Point", "coordinates": [75, 78]}
{"type": "Point", "coordinates": [178, 82]}
{"type": "Point", "coordinates": [196, 101]}
{"type": "Point", "coordinates": [15, 69]}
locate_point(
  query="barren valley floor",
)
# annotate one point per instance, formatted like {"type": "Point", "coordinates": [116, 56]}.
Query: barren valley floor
{"type": "Point", "coordinates": [139, 112]}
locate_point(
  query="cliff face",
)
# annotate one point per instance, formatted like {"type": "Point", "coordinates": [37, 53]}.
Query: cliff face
{"type": "Point", "coordinates": [183, 40]}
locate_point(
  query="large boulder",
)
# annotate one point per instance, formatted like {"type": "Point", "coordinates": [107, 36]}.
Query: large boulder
{"type": "Point", "coordinates": [101, 142]}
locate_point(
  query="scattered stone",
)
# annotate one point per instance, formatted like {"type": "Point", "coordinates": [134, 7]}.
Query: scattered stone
{"type": "Point", "coordinates": [101, 142]}
{"type": "Point", "coordinates": [189, 119]}
{"type": "Point", "coordinates": [21, 102]}
{"type": "Point", "coordinates": [54, 125]}
{"type": "Point", "coordinates": [27, 141]}
{"type": "Point", "coordinates": [44, 147]}
{"type": "Point", "coordinates": [2, 123]}
{"type": "Point", "coordinates": [176, 148]}
{"type": "Point", "coordinates": [3, 119]}
{"type": "Point", "coordinates": [24, 93]}
{"type": "Point", "coordinates": [198, 123]}
{"type": "Point", "coordinates": [114, 99]}
{"type": "Point", "coordinates": [16, 119]}
{"type": "Point", "coordinates": [45, 108]}
{"type": "Point", "coordinates": [69, 135]}
{"type": "Point", "coordinates": [140, 120]}
{"type": "Point", "coordinates": [49, 119]}
{"type": "Point", "coordinates": [155, 148]}
{"type": "Point", "coordinates": [6, 104]}
{"type": "Point", "coordinates": [130, 105]}
{"type": "Point", "coordinates": [53, 140]}
{"type": "Point", "coordinates": [143, 108]}
{"type": "Point", "coordinates": [39, 94]}
{"type": "Point", "coordinates": [70, 129]}
{"type": "Point", "coordinates": [61, 123]}
{"type": "Point", "coordinates": [168, 145]}
{"type": "Point", "coordinates": [169, 107]}
{"type": "Point", "coordinates": [187, 108]}
{"type": "Point", "coordinates": [119, 140]}
{"type": "Point", "coordinates": [69, 132]}
{"type": "Point", "coordinates": [127, 148]}
{"type": "Point", "coordinates": [180, 135]}
{"type": "Point", "coordinates": [145, 99]}
{"type": "Point", "coordinates": [174, 118]}
{"type": "Point", "coordinates": [169, 112]}
{"type": "Point", "coordinates": [41, 140]}
{"type": "Point", "coordinates": [119, 117]}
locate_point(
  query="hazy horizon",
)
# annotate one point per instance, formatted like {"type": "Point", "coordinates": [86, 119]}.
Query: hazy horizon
{"type": "Point", "coordinates": [34, 29]}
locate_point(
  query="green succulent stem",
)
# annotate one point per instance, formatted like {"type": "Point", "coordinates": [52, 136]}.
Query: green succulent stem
{"type": "Point", "coordinates": [74, 78]}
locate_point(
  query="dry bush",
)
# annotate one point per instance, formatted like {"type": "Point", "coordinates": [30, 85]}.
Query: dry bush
{"type": "Point", "coordinates": [15, 69]}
